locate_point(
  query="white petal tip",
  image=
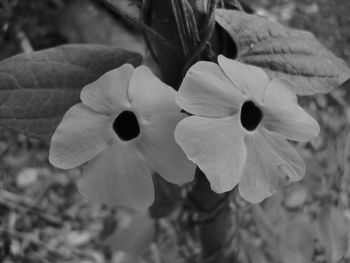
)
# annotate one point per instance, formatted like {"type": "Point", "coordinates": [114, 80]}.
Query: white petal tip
{"type": "Point", "coordinates": [58, 163]}
{"type": "Point", "coordinates": [313, 131]}
{"type": "Point", "coordinates": [127, 67]}
{"type": "Point", "coordinates": [317, 129]}
{"type": "Point", "coordinates": [220, 189]}
{"type": "Point", "coordinates": [221, 59]}
{"type": "Point", "coordinates": [252, 198]}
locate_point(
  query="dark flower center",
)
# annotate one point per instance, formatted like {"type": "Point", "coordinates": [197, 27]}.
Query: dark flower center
{"type": "Point", "coordinates": [251, 115]}
{"type": "Point", "coordinates": [126, 126]}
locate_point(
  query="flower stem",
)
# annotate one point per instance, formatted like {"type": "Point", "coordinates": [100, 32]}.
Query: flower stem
{"type": "Point", "coordinates": [214, 221]}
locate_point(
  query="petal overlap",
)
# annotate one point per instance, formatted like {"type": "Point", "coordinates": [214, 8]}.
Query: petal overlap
{"type": "Point", "coordinates": [108, 94]}
{"type": "Point", "coordinates": [216, 145]}
{"type": "Point", "coordinates": [148, 95]}
{"type": "Point", "coordinates": [171, 163]}
{"type": "Point", "coordinates": [250, 80]}
{"type": "Point", "coordinates": [283, 114]}
{"type": "Point", "coordinates": [206, 92]}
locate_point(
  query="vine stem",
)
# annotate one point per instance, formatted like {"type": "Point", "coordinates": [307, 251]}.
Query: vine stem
{"type": "Point", "coordinates": [209, 29]}
{"type": "Point", "coordinates": [207, 215]}
{"type": "Point", "coordinates": [216, 226]}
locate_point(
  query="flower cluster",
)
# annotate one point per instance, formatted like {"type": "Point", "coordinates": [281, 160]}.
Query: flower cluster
{"type": "Point", "coordinates": [129, 125]}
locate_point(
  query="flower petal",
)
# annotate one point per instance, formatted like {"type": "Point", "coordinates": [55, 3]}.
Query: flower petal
{"type": "Point", "coordinates": [118, 176]}
{"type": "Point", "coordinates": [81, 135]}
{"type": "Point", "coordinates": [206, 91]}
{"type": "Point", "coordinates": [161, 151]}
{"type": "Point", "coordinates": [148, 95]}
{"type": "Point", "coordinates": [250, 80]}
{"type": "Point", "coordinates": [272, 163]}
{"type": "Point", "coordinates": [216, 145]}
{"type": "Point", "coordinates": [283, 115]}
{"type": "Point", "coordinates": [108, 94]}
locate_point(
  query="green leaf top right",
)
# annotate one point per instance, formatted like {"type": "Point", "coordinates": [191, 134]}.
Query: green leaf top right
{"type": "Point", "coordinates": [292, 54]}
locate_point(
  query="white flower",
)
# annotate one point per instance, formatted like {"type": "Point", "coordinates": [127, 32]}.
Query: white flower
{"type": "Point", "coordinates": [240, 131]}
{"type": "Point", "coordinates": [124, 130]}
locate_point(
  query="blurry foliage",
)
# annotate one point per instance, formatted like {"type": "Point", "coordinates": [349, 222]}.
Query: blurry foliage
{"type": "Point", "coordinates": [32, 21]}
{"type": "Point", "coordinates": [44, 219]}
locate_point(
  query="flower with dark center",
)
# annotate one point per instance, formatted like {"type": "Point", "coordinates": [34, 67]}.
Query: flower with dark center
{"type": "Point", "coordinates": [123, 131]}
{"type": "Point", "coordinates": [240, 125]}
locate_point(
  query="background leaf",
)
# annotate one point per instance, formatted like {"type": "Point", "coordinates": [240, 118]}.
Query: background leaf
{"type": "Point", "coordinates": [37, 88]}
{"type": "Point", "coordinates": [283, 52]}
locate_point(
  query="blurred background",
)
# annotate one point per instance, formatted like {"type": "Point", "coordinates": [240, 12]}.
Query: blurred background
{"type": "Point", "coordinates": [44, 219]}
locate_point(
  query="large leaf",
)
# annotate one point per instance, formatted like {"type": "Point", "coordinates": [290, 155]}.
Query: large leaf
{"type": "Point", "coordinates": [37, 88]}
{"type": "Point", "coordinates": [283, 52]}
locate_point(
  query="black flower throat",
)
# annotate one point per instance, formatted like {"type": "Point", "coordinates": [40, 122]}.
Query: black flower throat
{"type": "Point", "coordinates": [126, 126]}
{"type": "Point", "coordinates": [251, 115]}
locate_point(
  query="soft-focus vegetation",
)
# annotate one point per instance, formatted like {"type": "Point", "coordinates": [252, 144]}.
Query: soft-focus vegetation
{"type": "Point", "coordinates": [44, 219]}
